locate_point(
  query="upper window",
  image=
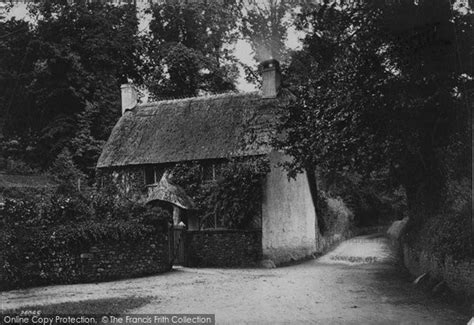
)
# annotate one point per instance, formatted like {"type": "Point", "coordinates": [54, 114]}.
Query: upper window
{"type": "Point", "coordinates": [159, 173]}
{"type": "Point", "coordinates": [211, 171]}
{"type": "Point", "coordinates": [153, 174]}
{"type": "Point", "coordinates": [207, 172]}
{"type": "Point", "coordinates": [149, 175]}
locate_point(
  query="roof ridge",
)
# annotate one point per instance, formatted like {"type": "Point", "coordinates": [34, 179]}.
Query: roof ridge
{"type": "Point", "coordinates": [197, 98]}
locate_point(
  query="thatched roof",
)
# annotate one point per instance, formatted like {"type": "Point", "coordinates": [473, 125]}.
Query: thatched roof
{"type": "Point", "coordinates": [191, 129]}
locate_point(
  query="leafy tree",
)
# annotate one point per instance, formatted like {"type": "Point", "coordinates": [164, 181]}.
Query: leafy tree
{"type": "Point", "coordinates": [265, 25]}
{"type": "Point", "coordinates": [64, 73]}
{"type": "Point", "coordinates": [188, 49]}
{"type": "Point", "coordinates": [16, 66]}
{"type": "Point", "coordinates": [379, 88]}
{"type": "Point", "coordinates": [85, 147]}
{"type": "Point", "coordinates": [66, 172]}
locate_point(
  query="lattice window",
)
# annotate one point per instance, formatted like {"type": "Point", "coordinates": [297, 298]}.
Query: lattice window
{"type": "Point", "coordinates": [211, 171]}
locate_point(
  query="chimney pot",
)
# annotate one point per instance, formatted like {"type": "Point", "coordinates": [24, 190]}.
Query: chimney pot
{"type": "Point", "coordinates": [271, 78]}
{"type": "Point", "coordinates": [129, 97]}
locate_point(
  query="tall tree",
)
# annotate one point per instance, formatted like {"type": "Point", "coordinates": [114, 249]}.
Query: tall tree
{"type": "Point", "coordinates": [74, 61]}
{"type": "Point", "coordinates": [265, 25]}
{"type": "Point", "coordinates": [16, 66]}
{"type": "Point", "coordinates": [188, 49]}
{"type": "Point", "coordinates": [380, 86]}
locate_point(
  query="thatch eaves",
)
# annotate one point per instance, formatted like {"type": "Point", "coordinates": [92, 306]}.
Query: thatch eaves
{"type": "Point", "coordinates": [197, 128]}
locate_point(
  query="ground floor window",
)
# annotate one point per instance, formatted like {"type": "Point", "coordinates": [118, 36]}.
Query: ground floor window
{"type": "Point", "coordinates": [210, 171]}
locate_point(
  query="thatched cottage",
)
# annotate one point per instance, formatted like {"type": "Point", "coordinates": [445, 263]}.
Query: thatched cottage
{"type": "Point", "coordinates": [150, 137]}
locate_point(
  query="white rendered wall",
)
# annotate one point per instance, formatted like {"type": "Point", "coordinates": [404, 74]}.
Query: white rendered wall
{"type": "Point", "coordinates": [288, 215]}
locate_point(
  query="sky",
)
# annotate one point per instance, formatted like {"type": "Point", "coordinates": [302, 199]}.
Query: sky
{"type": "Point", "coordinates": [242, 49]}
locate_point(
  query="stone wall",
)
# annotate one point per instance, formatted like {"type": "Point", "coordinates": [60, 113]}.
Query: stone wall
{"type": "Point", "coordinates": [288, 215]}
{"type": "Point", "coordinates": [458, 275]}
{"type": "Point", "coordinates": [223, 248]}
{"type": "Point", "coordinates": [101, 260]}
{"type": "Point", "coordinates": [125, 259]}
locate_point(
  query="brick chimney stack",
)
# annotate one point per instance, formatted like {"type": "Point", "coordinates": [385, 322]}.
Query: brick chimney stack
{"type": "Point", "coordinates": [129, 97]}
{"type": "Point", "coordinates": [271, 78]}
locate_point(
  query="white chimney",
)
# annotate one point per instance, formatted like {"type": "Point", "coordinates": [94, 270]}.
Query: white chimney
{"type": "Point", "coordinates": [271, 78]}
{"type": "Point", "coordinates": [129, 97]}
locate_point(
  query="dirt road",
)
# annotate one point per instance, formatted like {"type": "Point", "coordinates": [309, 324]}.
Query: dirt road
{"type": "Point", "coordinates": [357, 283]}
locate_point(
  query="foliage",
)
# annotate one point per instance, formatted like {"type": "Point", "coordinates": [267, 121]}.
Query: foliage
{"type": "Point", "coordinates": [65, 172]}
{"type": "Point", "coordinates": [17, 212]}
{"type": "Point", "coordinates": [85, 145]}
{"type": "Point", "coordinates": [334, 217]}
{"type": "Point", "coordinates": [447, 234]}
{"type": "Point", "coordinates": [60, 77]}
{"type": "Point", "coordinates": [265, 25]}
{"type": "Point", "coordinates": [372, 96]}
{"type": "Point", "coordinates": [60, 73]}
{"type": "Point", "coordinates": [187, 49]}
{"type": "Point", "coordinates": [234, 198]}
{"type": "Point", "coordinates": [16, 154]}
{"type": "Point", "coordinates": [237, 196]}
{"type": "Point", "coordinates": [71, 209]}
{"type": "Point", "coordinates": [340, 217]}
{"type": "Point", "coordinates": [372, 201]}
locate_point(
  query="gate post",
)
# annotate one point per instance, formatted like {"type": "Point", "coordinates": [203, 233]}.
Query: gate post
{"type": "Point", "coordinates": [179, 231]}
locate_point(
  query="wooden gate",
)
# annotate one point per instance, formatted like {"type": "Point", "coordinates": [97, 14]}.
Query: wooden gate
{"type": "Point", "coordinates": [179, 238]}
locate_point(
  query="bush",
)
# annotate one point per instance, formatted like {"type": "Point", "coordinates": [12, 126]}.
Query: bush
{"type": "Point", "coordinates": [66, 173]}
{"type": "Point", "coordinates": [45, 210]}
{"type": "Point", "coordinates": [62, 209]}
{"type": "Point", "coordinates": [109, 203]}
{"type": "Point", "coordinates": [18, 212]}
{"type": "Point", "coordinates": [446, 234]}
{"type": "Point", "coordinates": [372, 201]}
{"type": "Point", "coordinates": [334, 217]}
{"type": "Point", "coordinates": [339, 215]}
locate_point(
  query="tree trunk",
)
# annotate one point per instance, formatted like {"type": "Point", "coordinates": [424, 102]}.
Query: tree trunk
{"type": "Point", "coordinates": [313, 188]}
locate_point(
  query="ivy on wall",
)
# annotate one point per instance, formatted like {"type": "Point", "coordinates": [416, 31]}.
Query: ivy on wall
{"type": "Point", "coordinates": [233, 198]}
